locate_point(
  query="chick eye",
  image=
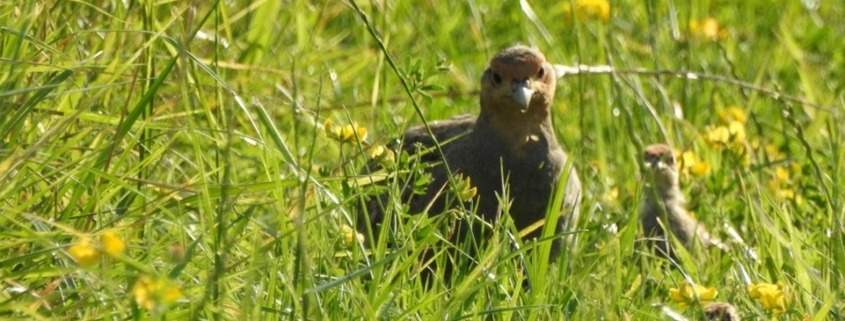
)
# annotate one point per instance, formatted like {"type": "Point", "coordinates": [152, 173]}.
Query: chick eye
{"type": "Point", "coordinates": [670, 161]}
{"type": "Point", "coordinates": [496, 78]}
{"type": "Point", "coordinates": [541, 73]}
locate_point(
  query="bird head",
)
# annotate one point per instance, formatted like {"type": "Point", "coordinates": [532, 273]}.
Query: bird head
{"type": "Point", "coordinates": [720, 311]}
{"type": "Point", "coordinates": [518, 80]}
{"type": "Point", "coordinates": [660, 166]}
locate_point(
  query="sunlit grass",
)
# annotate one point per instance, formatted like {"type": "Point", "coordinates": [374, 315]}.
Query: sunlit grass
{"type": "Point", "coordinates": [201, 161]}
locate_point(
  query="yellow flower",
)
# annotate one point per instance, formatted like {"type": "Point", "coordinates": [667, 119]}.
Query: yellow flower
{"type": "Point", "coordinates": [611, 195]}
{"type": "Point", "coordinates": [785, 193]}
{"type": "Point", "coordinates": [796, 168]}
{"type": "Point", "coordinates": [84, 252]}
{"type": "Point", "coordinates": [691, 164]}
{"type": "Point", "coordinates": [737, 131]}
{"type": "Point", "coordinates": [587, 9]}
{"type": "Point", "coordinates": [464, 189]}
{"type": "Point", "coordinates": [687, 294]}
{"type": "Point", "coordinates": [350, 134]}
{"type": "Point", "coordinates": [707, 28]}
{"type": "Point", "coordinates": [350, 235]}
{"type": "Point", "coordinates": [377, 151]}
{"type": "Point", "coordinates": [754, 143]}
{"type": "Point", "coordinates": [731, 136]}
{"type": "Point", "coordinates": [700, 169]}
{"type": "Point", "coordinates": [773, 297]}
{"type": "Point", "coordinates": [150, 293]}
{"type": "Point", "coordinates": [732, 114]}
{"type": "Point", "coordinates": [716, 136]}
{"type": "Point", "coordinates": [774, 152]}
{"type": "Point", "coordinates": [112, 244]}
{"type": "Point", "coordinates": [781, 185]}
{"type": "Point", "coordinates": [383, 155]}
{"type": "Point", "coordinates": [781, 174]}
{"type": "Point", "coordinates": [332, 131]}
{"type": "Point", "coordinates": [172, 294]}
{"type": "Point", "coordinates": [353, 134]}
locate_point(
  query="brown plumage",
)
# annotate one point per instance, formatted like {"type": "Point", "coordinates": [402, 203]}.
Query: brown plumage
{"type": "Point", "coordinates": [511, 142]}
{"type": "Point", "coordinates": [664, 203]}
{"type": "Point", "coordinates": [720, 311]}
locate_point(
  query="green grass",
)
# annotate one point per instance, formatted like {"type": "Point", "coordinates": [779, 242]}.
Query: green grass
{"type": "Point", "coordinates": [195, 133]}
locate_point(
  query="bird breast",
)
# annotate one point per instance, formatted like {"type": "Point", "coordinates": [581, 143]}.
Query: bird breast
{"type": "Point", "coordinates": [530, 177]}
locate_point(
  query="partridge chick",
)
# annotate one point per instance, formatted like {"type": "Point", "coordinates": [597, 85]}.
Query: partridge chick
{"type": "Point", "coordinates": [664, 204]}
{"type": "Point", "coordinates": [720, 311]}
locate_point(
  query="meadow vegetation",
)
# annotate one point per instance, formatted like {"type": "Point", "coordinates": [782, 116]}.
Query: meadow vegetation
{"type": "Point", "coordinates": [200, 159]}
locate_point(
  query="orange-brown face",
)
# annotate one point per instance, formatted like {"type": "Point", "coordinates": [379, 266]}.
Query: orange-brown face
{"type": "Point", "coordinates": [518, 80]}
{"type": "Point", "coordinates": [659, 162]}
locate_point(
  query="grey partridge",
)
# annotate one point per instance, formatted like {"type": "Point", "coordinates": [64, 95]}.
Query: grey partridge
{"type": "Point", "coordinates": [510, 145]}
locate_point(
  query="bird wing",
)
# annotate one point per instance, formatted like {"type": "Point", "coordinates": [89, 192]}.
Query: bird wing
{"type": "Point", "coordinates": [418, 137]}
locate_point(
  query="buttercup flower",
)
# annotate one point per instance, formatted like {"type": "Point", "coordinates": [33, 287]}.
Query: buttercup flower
{"type": "Point", "coordinates": [716, 136]}
{"type": "Point", "coordinates": [383, 155]}
{"type": "Point", "coordinates": [84, 252]}
{"type": "Point", "coordinates": [151, 293]}
{"type": "Point", "coordinates": [781, 174]}
{"type": "Point", "coordinates": [707, 28]}
{"type": "Point", "coordinates": [611, 195]}
{"type": "Point", "coordinates": [691, 164]}
{"type": "Point", "coordinates": [350, 235]}
{"type": "Point", "coordinates": [332, 130]}
{"type": "Point", "coordinates": [377, 151]}
{"type": "Point", "coordinates": [350, 134]}
{"type": "Point", "coordinates": [773, 297]}
{"type": "Point", "coordinates": [781, 184]}
{"type": "Point", "coordinates": [730, 136]}
{"type": "Point", "coordinates": [687, 294]}
{"type": "Point", "coordinates": [353, 134]}
{"type": "Point", "coordinates": [737, 131]}
{"type": "Point", "coordinates": [732, 114]}
{"type": "Point", "coordinates": [774, 152]}
{"type": "Point", "coordinates": [112, 244]}
{"type": "Point", "coordinates": [587, 9]}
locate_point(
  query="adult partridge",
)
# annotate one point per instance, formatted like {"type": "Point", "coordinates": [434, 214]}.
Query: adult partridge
{"type": "Point", "coordinates": [510, 145]}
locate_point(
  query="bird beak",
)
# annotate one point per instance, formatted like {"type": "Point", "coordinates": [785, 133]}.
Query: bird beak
{"type": "Point", "coordinates": [522, 94]}
{"type": "Point", "coordinates": [655, 165]}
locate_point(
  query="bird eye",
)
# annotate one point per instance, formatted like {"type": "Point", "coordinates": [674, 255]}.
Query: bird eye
{"type": "Point", "coordinates": [496, 78]}
{"type": "Point", "coordinates": [541, 73]}
{"type": "Point", "coordinates": [670, 161]}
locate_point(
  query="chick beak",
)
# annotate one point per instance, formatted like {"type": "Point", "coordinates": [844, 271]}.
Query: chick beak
{"type": "Point", "coordinates": [522, 93]}
{"type": "Point", "coordinates": [654, 165]}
